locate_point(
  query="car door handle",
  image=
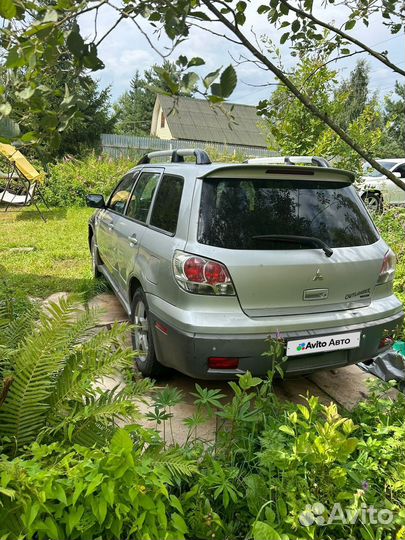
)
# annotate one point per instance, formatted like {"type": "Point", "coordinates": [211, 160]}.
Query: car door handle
{"type": "Point", "coordinates": [132, 240]}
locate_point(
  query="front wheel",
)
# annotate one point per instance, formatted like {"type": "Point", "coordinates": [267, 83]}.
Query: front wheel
{"type": "Point", "coordinates": [373, 202]}
{"type": "Point", "coordinates": [142, 339]}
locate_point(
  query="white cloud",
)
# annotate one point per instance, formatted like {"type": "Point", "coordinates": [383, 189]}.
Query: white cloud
{"type": "Point", "coordinates": [126, 50]}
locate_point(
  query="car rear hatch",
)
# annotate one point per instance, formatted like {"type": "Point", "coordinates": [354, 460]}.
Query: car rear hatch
{"type": "Point", "coordinates": [295, 239]}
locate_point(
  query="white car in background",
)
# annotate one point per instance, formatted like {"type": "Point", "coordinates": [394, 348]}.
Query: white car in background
{"type": "Point", "coordinates": [377, 190]}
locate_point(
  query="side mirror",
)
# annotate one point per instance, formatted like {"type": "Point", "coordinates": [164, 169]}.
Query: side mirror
{"type": "Point", "coordinates": [397, 174]}
{"type": "Point", "coordinates": [95, 201]}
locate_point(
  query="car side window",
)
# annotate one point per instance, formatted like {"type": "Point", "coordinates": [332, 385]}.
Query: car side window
{"type": "Point", "coordinates": [165, 210]}
{"type": "Point", "coordinates": [120, 195]}
{"type": "Point", "coordinates": [401, 170]}
{"type": "Point", "coordinates": [142, 195]}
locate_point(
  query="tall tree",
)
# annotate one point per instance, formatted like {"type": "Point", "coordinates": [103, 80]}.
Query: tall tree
{"type": "Point", "coordinates": [354, 93]}
{"type": "Point", "coordinates": [66, 101]}
{"type": "Point", "coordinates": [134, 108]}
{"type": "Point", "coordinates": [394, 142]}
{"type": "Point", "coordinates": [366, 129]}
{"type": "Point", "coordinates": [93, 117]}
{"type": "Point", "coordinates": [297, 131]}
{"type": "Point", "coordinates": [81, 129]}
{"type": "Point", "coordinates": [294, 129]}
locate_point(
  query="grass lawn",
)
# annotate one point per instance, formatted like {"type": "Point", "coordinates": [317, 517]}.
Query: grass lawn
{"type": "Point", "coordinates": [60, 260]}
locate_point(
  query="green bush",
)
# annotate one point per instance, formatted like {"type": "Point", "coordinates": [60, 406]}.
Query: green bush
{"type": "Point", "coordinates": [277, 470]}
{"type": "Point", "coordinates": [226, 156]}
{"type": "Point", "coordinates": [121, 491]}
{"type": "Point", "coordinates": [70, 180]}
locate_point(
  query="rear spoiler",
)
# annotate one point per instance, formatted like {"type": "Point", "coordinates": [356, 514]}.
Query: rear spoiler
{"type": "Point", "coordinates": [263, 171]}
{"type": "Point", "coordinates": [317, 161]}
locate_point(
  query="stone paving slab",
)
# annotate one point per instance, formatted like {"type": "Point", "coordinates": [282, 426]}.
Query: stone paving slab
{"type": "Point", "coordinates": [109, 308]}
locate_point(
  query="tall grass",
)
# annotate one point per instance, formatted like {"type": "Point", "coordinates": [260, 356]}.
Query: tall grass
{"type": "Point", "coordinates": [71, 179]}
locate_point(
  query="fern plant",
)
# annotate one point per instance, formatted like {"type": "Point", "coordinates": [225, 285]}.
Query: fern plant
{"type": "Point", "coordinates": [51, 368]}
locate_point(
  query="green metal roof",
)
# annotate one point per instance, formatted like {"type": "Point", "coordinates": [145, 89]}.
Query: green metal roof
{"type": "Point", "coordinates": [196, 119]}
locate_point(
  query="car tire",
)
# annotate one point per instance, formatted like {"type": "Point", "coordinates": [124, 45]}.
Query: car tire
{"type": "Point", "coordinates": [373, 202]}
{"type": "Point", "coordinates": [142, 338]}
{"type": "Point", "coordinates": [95, 259]}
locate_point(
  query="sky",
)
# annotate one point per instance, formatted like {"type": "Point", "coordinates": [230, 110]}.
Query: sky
{"type": "Point", "coordinates": [126, 50]}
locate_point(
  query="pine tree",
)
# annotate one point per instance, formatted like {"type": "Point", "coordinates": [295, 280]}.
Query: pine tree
{"type": "Point", "coordinates": [395, 119]}
{"type": "Point", "coordinates": [354, 92]}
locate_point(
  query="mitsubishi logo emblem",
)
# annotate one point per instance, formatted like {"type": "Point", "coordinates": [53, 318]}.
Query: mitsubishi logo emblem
{"type": "Point", "coordinates": [318, 276]}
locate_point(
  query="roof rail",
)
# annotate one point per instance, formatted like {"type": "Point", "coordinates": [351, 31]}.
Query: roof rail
{"type": "Point", "coordinates": [291, 160]}
{"type": "Point", "coordinates": [177, 156]}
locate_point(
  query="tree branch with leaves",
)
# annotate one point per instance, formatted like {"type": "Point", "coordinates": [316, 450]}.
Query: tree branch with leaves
{"type": "Point", "coordinates": [39, 43]}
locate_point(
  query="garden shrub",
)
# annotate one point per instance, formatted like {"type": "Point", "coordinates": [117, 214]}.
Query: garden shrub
{"type": "Point", "coordinates": [225, 156]}
{"type": "Point", "coordinates": [70, 180]}
{"type": "Point", "coordinates": [277, 470]}
{"type": "Point", "coordinates": [66, 469]}
{"type": "Point", "coordinates": [122, 491]}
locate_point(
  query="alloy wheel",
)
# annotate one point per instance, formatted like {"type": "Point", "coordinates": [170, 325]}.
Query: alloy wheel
{"type": "Point", "coordinates": [141, 331]}
{"type": "Point", "coordinates": [372, 203]}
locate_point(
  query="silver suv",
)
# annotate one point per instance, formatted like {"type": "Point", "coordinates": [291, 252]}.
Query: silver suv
{"type": "Point", "coordinates": [209, 260]}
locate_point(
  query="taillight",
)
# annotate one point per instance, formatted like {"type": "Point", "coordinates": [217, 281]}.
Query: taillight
{"type": "Point", "coordinates": [388, 268]}
{"type": "Point", "coordinates": [201, 276]}
{"type": "Point", "coordinates": [221, 362]}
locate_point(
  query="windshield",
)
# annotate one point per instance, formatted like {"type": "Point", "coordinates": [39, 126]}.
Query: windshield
{"type": "Point", "coordinates": [373, 173]}
{"type": "Point", "coordinates": [234, 213]}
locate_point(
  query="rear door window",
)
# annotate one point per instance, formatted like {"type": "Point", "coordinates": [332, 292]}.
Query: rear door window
{"type": "Point", "coordinates": [165, 210]}
{"type": "Point", "coordinates": [233, 213]}
{"type": "Point", "coordinates": [141, 198]}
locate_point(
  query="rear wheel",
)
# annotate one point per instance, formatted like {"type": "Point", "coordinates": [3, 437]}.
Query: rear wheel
{"type": "Point", "coordinates": [95, 259]}
{"type": "Point", "coordinates": [142, 339]}
{"type": "Point", "coordinates": [373, 201]}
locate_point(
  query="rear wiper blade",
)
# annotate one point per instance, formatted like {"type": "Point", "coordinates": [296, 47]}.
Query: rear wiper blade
{"type": "Point", "coordinates": [296, 239]}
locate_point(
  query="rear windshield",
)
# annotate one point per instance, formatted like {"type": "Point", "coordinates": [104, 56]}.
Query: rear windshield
{"type": "Point", "coordinates": [234, 212]}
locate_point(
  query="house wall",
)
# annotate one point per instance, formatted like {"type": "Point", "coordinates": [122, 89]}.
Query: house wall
{"type": "Point", "coordinates": [156, 128]}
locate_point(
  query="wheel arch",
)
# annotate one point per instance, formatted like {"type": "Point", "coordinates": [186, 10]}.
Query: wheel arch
{"type": "Point", "coordinates": [134, 284]}
{"type": "Point", "coordinates": [90, 235]}
{"type": "Point", "coordinates": [367, 192]}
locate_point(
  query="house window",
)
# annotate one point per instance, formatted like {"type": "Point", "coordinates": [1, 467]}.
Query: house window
{"type": "Point", "coordinates": [162, 119]}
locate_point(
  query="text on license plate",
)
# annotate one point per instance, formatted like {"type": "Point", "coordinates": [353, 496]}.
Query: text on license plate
{"type": "Point", "coordinates": [334, 342]}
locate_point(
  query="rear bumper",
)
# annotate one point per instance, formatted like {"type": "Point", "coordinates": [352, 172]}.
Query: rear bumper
{"type": "Point", "coordinates": [188, 352]}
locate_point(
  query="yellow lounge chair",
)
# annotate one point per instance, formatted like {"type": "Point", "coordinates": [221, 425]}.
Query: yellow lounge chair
{"type": "Point", "coordinates": [25, 177]}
